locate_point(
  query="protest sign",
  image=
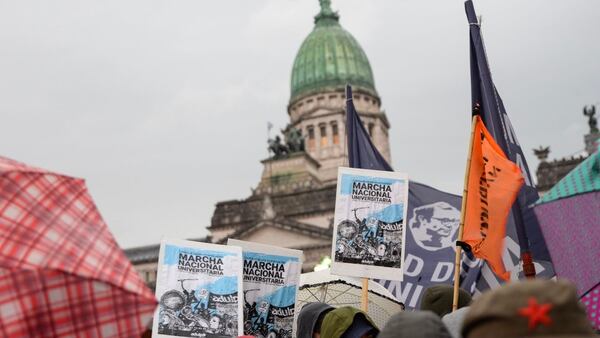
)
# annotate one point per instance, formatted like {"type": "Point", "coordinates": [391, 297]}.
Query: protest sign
{"type": "Point", "coordinates": [369, 223]}
{"type": "Point", "coordinates": [271, 280]}
{"type": "Point", "coordinates": [199, 288]}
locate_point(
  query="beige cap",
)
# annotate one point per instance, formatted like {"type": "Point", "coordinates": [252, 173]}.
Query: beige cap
{"type": "Point", "coordinates": [535, 308]}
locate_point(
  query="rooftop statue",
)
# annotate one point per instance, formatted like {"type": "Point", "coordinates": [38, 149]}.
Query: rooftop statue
{"type": "Point", "coordinates": [294, 143]}
{"type": "Point", "coordinates": [542, 153]}
{"type": "Point", "coordinates": [294, 140]}
{"type": "Point", "coordinates": [278, 149]}
{"type": "Point", "coordinates": [590, 112]}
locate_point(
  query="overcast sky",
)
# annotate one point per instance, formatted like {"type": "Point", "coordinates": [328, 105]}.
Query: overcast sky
{"type": "Point", "coordinates": [162, 106]}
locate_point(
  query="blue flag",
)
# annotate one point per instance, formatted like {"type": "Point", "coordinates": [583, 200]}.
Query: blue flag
{"type": "Point", "coordinates": [522, 227]}
{"type": "Point", "coordinates": [361, 151]}
{"type": "Point", "coordinates": [433, 217]}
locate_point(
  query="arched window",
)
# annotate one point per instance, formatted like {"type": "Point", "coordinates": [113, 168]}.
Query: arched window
{"type": "Point", "coordinates": [310, 131]}
{"type": "Point", "coordinates": [371, 127]}
{"type": "Point", "coordinates": [335, 133]}
{"type": "Point", "coordinates": [323, 132]}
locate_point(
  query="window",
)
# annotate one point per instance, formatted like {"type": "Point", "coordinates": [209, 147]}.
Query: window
{"type": "Point", "coordinates": [335, 133]}
{"type": "Point", "coordinates": [323, 131]}
{"type": "Point", "coordinates": [371, 126]}
{"type": "Point", "coordinates": [311, 138]}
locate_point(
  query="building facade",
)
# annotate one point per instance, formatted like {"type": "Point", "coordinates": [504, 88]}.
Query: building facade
{"type": "Point", "coordinates": [549, 172]}
{"type": "Point", "coordinates": [293, 203]}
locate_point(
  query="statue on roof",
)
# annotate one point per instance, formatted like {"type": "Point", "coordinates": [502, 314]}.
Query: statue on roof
{"type": "Point", "coordinates": [294, 140]}
{"type": "Point", "coordinates": [542, 153]}
{"type": "Point", "coordinates": [294, 143]}
{"type": "Point", "coordinates": [590, 112]}
{"type": "Point", "coordinates": [325, 5]}
{"type": "Point", "coordinates": [326, 11]}
{"type": "Point", "coordinates": [278, 149]}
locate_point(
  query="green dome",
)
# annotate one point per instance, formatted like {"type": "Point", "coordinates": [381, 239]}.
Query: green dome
{"type": "Point", "coordinates": [329, 58]}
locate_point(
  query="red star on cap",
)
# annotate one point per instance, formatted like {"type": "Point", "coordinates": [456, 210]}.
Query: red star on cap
{"type": "Point", "coordinates": [536, 313]}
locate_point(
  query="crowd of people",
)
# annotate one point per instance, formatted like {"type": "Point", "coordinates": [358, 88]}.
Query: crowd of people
{"type": "Point", "coordinates": [535, 308]}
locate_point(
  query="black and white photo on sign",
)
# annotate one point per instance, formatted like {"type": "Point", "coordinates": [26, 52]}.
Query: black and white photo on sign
{"type": "Point", "coordinates": [199, 288]}
{"type": "Point", "coordinates": [369, 223]}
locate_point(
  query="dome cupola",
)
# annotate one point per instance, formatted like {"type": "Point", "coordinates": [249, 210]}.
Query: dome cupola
{"type": "Point", "coordinates": [329, 58]}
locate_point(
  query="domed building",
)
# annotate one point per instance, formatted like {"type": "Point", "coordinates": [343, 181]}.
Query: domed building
{"type": "Point", "coordinates": [328, 59]}
{"type": "Point", "coordinates": [293, 204]}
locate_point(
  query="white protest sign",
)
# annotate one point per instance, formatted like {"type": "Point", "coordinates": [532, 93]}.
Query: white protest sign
{"type": "Point", "coordinates": [369, 224]}
{"type": "Point", "coordinates": [271, 281]}
{"type": "Point", "coordinates": [199, 289]}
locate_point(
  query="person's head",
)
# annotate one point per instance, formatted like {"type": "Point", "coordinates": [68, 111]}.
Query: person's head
{"type": "Point", "coordinates": [417, 324]}
{"type": "Point", "coordinates": [438, 219]}
{"type": "Point", "coordinates": [173, 302]}
{"type": "Point", "coordinates": [310, 319]}
{"type": "Point", "coordinates": [535, 308]}
{"type": "Point", "coordinates": [347, 230]}
{"type": "Point", "coordinates": [438, 299]}
{"type": "Point", "coordinates": [348, 322]}
{"type": "Point", "coordinates": [434, 225]}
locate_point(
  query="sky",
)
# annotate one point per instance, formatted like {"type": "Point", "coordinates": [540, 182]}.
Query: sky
{"type": "Point", "coordinates": [162, 106]}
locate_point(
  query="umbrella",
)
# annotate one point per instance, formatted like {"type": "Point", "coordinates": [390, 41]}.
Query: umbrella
{"type": "Point", "coordinates": [61, 271]}
{"type": "Point", "coordinates": [569, 216]}
{"type": "Point", "coordinates": [321, 286]}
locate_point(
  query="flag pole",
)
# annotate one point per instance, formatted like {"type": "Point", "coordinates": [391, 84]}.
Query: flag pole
{"type": "Point", "coordinates": [364, 296]}
{"type": "Point", "coordinates": [462, 218]}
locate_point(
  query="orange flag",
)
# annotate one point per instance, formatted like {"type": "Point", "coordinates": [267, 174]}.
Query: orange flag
{"type": "Point", "coordinates": [493, 184]}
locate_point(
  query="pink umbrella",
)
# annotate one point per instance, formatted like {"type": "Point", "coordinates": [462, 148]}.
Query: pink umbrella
{"type": "Point", "coordinates": [569, 216]}
{"type": "Point", "coordinates": [61, 271]}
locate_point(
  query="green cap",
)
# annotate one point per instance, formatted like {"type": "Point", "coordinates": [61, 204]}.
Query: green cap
{"type": "Point", "coordinates": [438, 299]}
{"type": "Point", "coordinates": [338, 321]}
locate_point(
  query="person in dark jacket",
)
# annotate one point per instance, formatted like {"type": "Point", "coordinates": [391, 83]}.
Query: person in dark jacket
{"type": "Point", "coordinates": [310, 318]}
{"type": "Point", "coordinates": [348, 322]}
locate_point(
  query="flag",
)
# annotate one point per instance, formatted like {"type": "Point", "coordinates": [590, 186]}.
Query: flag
{"type": "Point", "coordinates": [429, 255]}
{"type": "Point", "coordinates": [524, 238]}
{"type": "Point", "coordinates": [492, 187]}
{"type": "Point", "coordinates": [361, 151]}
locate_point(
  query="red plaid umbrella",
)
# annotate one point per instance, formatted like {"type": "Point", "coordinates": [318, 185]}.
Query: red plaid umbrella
{"type": "Point", "coordinates": [61, 271]}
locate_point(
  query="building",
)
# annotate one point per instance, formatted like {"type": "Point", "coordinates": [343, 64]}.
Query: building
{"type": "Point", "coordinates": [293, 202]}
{"type": "Point", "coordinates": [550, 172]}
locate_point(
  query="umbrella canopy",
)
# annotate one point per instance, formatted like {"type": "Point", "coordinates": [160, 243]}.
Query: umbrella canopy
{"type": "Point", "coordinates": [321, 286]}
{"type": "Point", "coordinates": [61, 271]}
{"type": "Point", "coordinates": [569, 215]}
